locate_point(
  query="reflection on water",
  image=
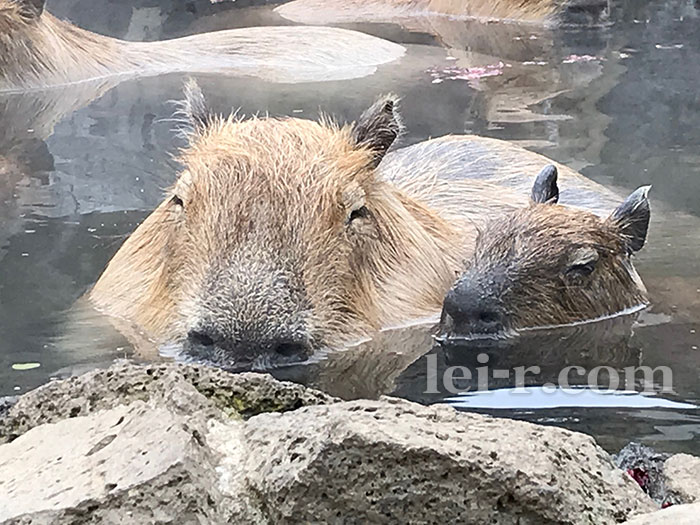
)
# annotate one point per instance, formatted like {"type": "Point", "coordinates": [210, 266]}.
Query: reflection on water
{"type": "Point", "coordinates": [80, 167]}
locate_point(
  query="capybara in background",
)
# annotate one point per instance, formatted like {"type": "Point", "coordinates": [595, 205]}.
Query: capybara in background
{"type": "Point", "coordinates": [548, 265]}
{"type": "Point", "coordinates": [530, 11]}
{"type": "Point", "coordinates": [284, 235]}
{"type": "Point", "coordinates": [38, 50]}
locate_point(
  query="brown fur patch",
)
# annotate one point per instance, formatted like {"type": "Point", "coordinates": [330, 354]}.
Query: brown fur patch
{"type": "Point", "coordinates": [535, 264]}
{"type": "Point", "coordinates": [266, 225]}
{"type": "Point", "coordinates": [43, 51]}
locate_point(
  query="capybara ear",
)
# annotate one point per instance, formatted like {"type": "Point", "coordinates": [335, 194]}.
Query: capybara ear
{"type": "Point", "coordinates": [379, 126]}
{"type": "Point", "coordinates": [632, 217]}
{"type": "Point", "coordinates": [545, 189]}
{"type": "Point", "coordinates": [31, 8]}
{"type": "Point", "coordinates": [194, 106]}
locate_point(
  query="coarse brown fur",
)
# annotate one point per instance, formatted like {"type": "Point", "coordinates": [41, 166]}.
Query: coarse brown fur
{"type": "Point", "coordinates": [536, 11]}
{"type": "Point", "coordinates": [281, 235]}
{"type": "Point", "coordinates": [39, 50]}
{"type": "Point", "coordinates": [283, 229]}
{"type": "Point", "coordinates": [549, 265]}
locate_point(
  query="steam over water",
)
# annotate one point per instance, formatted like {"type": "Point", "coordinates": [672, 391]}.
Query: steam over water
{"type": "Point", "coordinates": [81, 166]}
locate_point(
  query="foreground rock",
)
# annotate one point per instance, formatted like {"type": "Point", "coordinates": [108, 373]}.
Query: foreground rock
{"type": "Point", "coordinates": [191, 390]}
{"type": "Point", "coordinates": [109, 466]}
{"type": "Point", "coordinates": [675, 515]}
{"type": "Point", "coordinates": [394, 461]}
{"type": "Point", "coordinates": [183, 444]}
{"type": "Point", "coordinates": [682, 477]}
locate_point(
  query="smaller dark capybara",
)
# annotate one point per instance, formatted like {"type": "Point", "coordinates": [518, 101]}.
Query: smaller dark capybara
{"type": "Point", "coordinates": [549, 265]}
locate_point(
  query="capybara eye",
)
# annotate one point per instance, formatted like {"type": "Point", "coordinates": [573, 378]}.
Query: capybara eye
{"type": "Point", "coordinates": [177, 201]}
{"type": "Point", "coordinates": [581, 270]}
{"type": "Point", "coordinates": [359, 213]}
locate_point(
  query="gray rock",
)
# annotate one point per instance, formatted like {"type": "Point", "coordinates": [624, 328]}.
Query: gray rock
{"type": "Point", "coordinates": [391, 461]}
{"type": "Point", "coordinates": [674, 515]}
{"type": "Point", "coordinates": [191, 390]}
{"type": "Point", "coordinates": [186, 444]}
{"type": "Point", "coordinates": [131, 464]}
{"type": "Point", "coordinates": [682, 476]}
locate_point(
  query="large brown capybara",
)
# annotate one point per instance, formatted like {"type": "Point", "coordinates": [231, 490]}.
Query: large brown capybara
{"type": "Point", "coordinates": [38, 50]}
{"type": "Point", "coordinates": [280, 237]}
{"type": "Point", "coordinates": [528, 11]}
{"type": "Point", "coordinates": [283, 235]}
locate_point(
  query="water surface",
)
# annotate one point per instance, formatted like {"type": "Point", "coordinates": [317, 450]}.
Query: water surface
{"type": "Point", "coordinates": [81, 167]}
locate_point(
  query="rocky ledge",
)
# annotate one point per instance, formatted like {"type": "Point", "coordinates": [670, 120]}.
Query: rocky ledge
{"type": "Point", "coordinates": [191, 444]}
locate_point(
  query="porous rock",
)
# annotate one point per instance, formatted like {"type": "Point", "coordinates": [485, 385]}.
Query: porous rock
{"type": "Point", "coordinates": [391, 461]}
{"type": "Point", "coordinates": [191, 390]}
{"type": "Point", "coordinates": [673, 515]}
{"type": "Point", "coordinates": [131, 464]}
{"type": "Point", "coordinates": [185, 444]}
{"type": "Point", "coordinates": [682, 477]}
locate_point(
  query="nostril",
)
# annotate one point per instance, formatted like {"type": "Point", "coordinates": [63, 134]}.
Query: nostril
{"type": "Point", "coordinates": [200, 338]}
{"type": "Point", "coordinates": [451, 306]}
{"type": "Point", "coordinates": [290, 349]}
{"type": "Point", "coordinates": [489, 317]}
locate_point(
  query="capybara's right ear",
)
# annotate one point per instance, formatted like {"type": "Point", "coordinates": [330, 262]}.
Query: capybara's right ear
{"type": "Point", "coordinates": [545, 189]}
{"type": "Point", "coordinates": [379, 126]}
{"type": "Point", "coordinates": [194, 106]}
{"type": "Point", "coordinates": [31, 8]}
{"type": "Point", "coordinates": [632, 217]}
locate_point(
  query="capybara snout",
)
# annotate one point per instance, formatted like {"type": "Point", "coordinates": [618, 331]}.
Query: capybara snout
{"type": "Point", "coordinates": [548, 265]}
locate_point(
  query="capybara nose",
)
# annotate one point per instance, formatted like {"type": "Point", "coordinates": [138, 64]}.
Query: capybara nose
{"type": "Point", "coordinates": [200, 338]}
{"type": "Point", "coordinates": [248, 352]}
{"type": "Point", "coordinates": [471, 311]}
{"type": "Point", "coordinates": [293, 350]}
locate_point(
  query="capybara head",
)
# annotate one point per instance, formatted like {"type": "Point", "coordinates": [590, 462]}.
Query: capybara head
{"type": "Point", "coordinates": [14, 12]}
{"type": "Point", "coordinates": [29, 43]}
{"type": "Point", "coordinates": [17, 18]}
{"type": "Point", "coordinates": [549, 265]}
{"type": "Point", "coordinates": [279, 237]}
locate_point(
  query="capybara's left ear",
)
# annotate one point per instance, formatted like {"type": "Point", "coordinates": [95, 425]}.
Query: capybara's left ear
{"type": "Point", "coordinates": [545, 189]}
{"type": "Point", "coordinates": [632, 217]}
{"type": "Point", "coordinates": [31, 8]}
{"type": "Point", "coordinates": [194, 107]}
{"type": "Point", "coordinates": [379, 126]}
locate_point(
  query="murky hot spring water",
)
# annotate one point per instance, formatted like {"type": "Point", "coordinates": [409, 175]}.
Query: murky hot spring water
{"type": "Point", "coordinates": [618, 103]}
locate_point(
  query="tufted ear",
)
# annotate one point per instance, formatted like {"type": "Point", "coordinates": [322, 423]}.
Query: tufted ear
{"type": "Point", "coordinates": [194, 107]}
{"type": "Point", "coordinates": [31, 9]}
{"type": "Point", "coordinates": [545, 189]}
{"type": "Point", "coordinates": [632, 217]}
{"type": "Point", "coordinates": [379, 126]}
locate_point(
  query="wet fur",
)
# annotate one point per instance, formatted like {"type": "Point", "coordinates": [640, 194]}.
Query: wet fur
{"type": "Point", "coordinates": [39, 50]}
{"type": "Point", "coordinates": [340, 281]}
{"type": "Point", "coordinates": [537, 11]}
{"type": "Point", "coordinates": [528, 253]}
{"type": "Point", "coordinates": [256, 238]}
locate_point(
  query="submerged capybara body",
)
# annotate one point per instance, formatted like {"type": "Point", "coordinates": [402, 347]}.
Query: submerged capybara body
{"type": "Point", "coordinates": [282, 236]}
{"type": "Point", "coordinates": [531, 11]}
{"type": "Point", "coordinates": [39, 50]}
